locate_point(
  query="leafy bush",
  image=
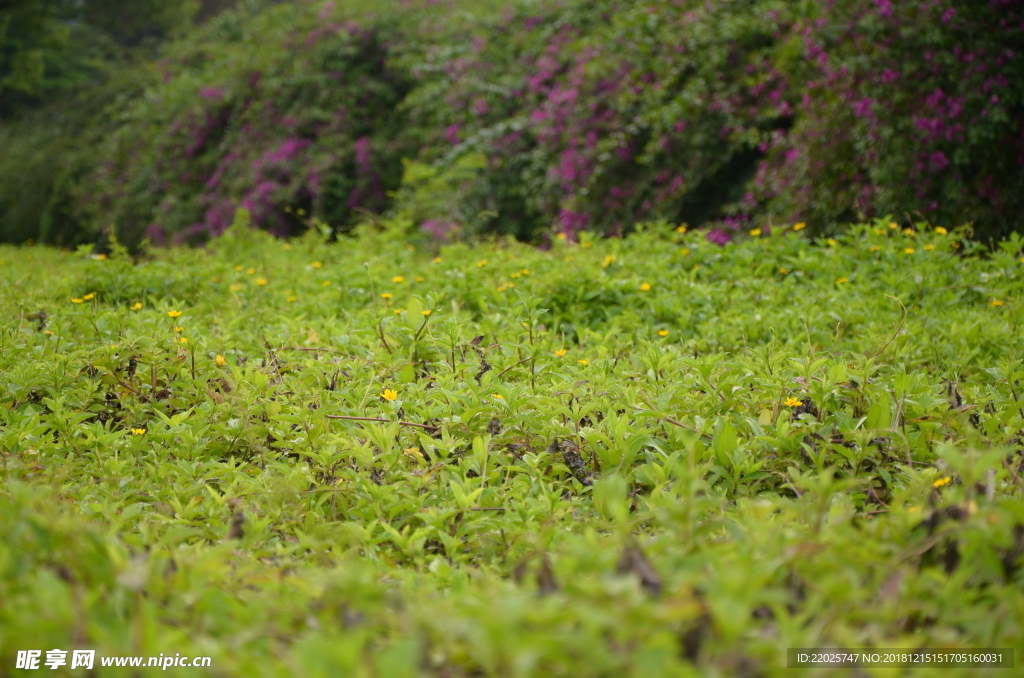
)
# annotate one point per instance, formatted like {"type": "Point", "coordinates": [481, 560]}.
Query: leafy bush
{"type": "Point", "coordinates": [520, 118]}
{"type": "Point", "coordinates": [642, 457]}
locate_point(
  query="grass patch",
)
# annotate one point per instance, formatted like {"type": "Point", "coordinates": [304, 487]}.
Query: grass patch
{"type": "Point", "coordinates": [652, 457]}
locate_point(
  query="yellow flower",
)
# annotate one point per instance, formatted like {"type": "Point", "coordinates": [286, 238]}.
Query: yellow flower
{"type": "Point", "coordinates": [261, 281]}
{"type": "Point", "coordinates": [996, 302]}
{"type": "Point", "coordinates": [517, 274]}
{"type": "Point", "coordinates": [138, 431]}
{"type": "Point", "coordinates": [681, 229]}
{"type": "Point", "coordinates": [317, 264]}
{"type": "Point", "coordinates": [89, 296]}
{"type": "Point", "coordinates": [397, 311]}
{"type": "Point", "coordinates": [755, 232]}
{"type": "Point", "coordinates": [562, 236]}
{"type": "Point", "coordinates": [101, 257]}
{"type": "Point", "coordinates": [942, 482]}
{"type": "Point", "coordinates": [908, 231]}
{"type": "Point", "coordinates": [561, 352]}
{"type": "Point", "coordinates": [525, 271]}
{"type": "Point", "coordinates": [498, 396]}
{"type": "Point", "coordinates": [912, 509]}
{"type": "Point", "coordinates": [570, 258]}
{"type": "Point", "coordinates": [583, 362]}
{"type": "Point", "coordinates": [879, 231]}
{"type": "Point", "coordinates": [662, 333]}
{"type": "Point", "coordinates": [301, 212]}
{"type": "Point", "coordinates": [286, 246]}
{"type": "Point", "coordinates": [793, 402]}
{"type": "Point", "coordinates": [220, 360]}
{"type": "Point", "coordinates": [326, 283]}
{"type": "Point", "coordinates": [427, 312]}
{"type": "Point", "coordinates": [389, 394]}
{"type": "Point", "coordinates": [909, 250]}
{"type": "Point", "coordinates": [386, 296]}
{"type": "Point", "coordinates": [178, 329]}
{"type": "Point", "coordinates": [437, 260]}
{"type": "Point", "coordinates": [215, 278]}
{"type": "Point", "coordinates": [783, 271]}
{"type": "Point", "coordinates": [76, 300]}
{"type": "Point", "coordinates": [874, 248]}
{"type": "Point", "coordinates": [235, 287]}
{"type": "Point", "coordinates": [511, 284]}
{"type": "Point", "coordinates": [250, 271]}
{"type": "Point", "coordinates": [800, 226]}
{"type": "Point", "coordinates": [182, 340]}
{"type": "Point", "coordinates": [893, 225]}
{"type": "Point", "coordinates": [684, 251]}
{"type": "Point", "coordinates": [941, 231]}
{"type": "Point", "coordinates": [174, 314]}
{"type": "Point", "coordinates": [420, 278]}
{"type": "Point", "coordinates": [929, 247]}
{"type": "Point", "coordinates": [645, 287]}
{"type": "Point", "coordinates": [955, 245]}
{"type": "Point", "coordinates": [831, 242]}
{"type": "Point", "coordinates": [481, 263]}
{"type": "Point", "coordinates": [608, 261]}
{"type": "Point", "coordinates": [398, 279]}
{"type": "Point", "coordinates": [239, 267]}
{"type": "Point", "coordinates": [840, 281]}
{"type": "Point", "coordinates": [290, 299]}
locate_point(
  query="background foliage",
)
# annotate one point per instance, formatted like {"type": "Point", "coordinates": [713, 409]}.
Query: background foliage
{"type": "Point", "coordinates": [467, 116]}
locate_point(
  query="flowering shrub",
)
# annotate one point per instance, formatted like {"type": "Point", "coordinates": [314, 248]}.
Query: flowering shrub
{"type": "Point", "coordinates": [523, 118]}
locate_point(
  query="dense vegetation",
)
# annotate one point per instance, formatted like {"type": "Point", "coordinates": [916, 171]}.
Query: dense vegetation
{"type": "Point", "coordinates": [468, 116]}
{"type": "Point", "coordinates": [644, 457]}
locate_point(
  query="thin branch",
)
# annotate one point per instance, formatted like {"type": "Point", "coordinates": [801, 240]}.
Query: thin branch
{"type": "Point", "coordinates": [384, 421]}
{"type": "Point", "coordinates": [898, 329]}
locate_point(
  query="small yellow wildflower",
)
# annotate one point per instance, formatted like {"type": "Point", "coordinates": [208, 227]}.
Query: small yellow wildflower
{"type": "Point", "coordinates": [562, 236]}
{"type": "Point", "coordinates": [389, 394]}
{"type": "Point", "coordinates": [386, 296]}
{"type": "Point", "coordinates": [317, 264]}
{"type": "Point", "coordinates": [498, 396]}
{"type": "Point", "coordinates": [909, 250]}
{"type": "Point", "coordinates": [437, 260]}
{"type": "Point", "coordinates": [755, 232]}
{"type": "Point", "coordinates": [684, 251]}
{"type": "Point", "coordinates": [76, 300]}
{"type": "Point", "coordinates": [182, 340]}
{"type": "Point", "coordinates": [583, 362]}
{"type": "Point", "coordinates": [681, 229]}
{"type": "Point", "coordinates": [645, 287]}
{"type": "Point", "coordinates": [481, 263]}
{"type": "Point", "coordinates": [570, 258]}
{"type": "Point", "coordinates": [517, 274]}
{"type": "Point", "coordinates": [220, 361]}
{"type": "Point", "coordinates": [291, 299]}
{"type": "Point", "coordinates": [996, 302]}
{"type": "Point", "coordinates": [413, 452]}
{"type": "Point", "coordinates": [47, 332]}
{"type": "Point", "coordinates": [420, 278]}
{"type": "Point", "coordinates": [662, 333]}
{"type": "Point", "coordinates": [874, 248]}
{"type": "Point", "coordinates": [800, 226]}
{"type": "Point", "coordinates": [912, 509]}
{"type": "Point", "coordinates": [101, 257]}
{"type": "Point", "coordinates": [893, 225]}
{"type": "Point", "coordinates": [326, 283]}
{"type": "Point", "coordinates": [783, 271]}
{"type": "Point", "coordinates": [235, 287]}
{"type": "Point", "coordinates": [511, 284]}
{"type": "Point", "coordinates": [179, 329]}
{"type": "Point", "coordinates": [608, 261]}
{"type": "Point", "coordinates": [908, 231]}
{"type": "Point", "coordinates": [941, 482]}
{"type": "Point", "coordinates": [840, 281]}
{"type": "Point", "coordinates": [239, 267]}
{"type": "Point", "coordinates": [561, 352]}
{"type": "Point", "coordinates": [879, 231]}
{"type": "Point", "coordinates": [793, 402]}
{"type": "Point", "coordinates": [929, 247]}
{"type": "Point", "coordinates": [261, 281]}
{"type": "Point", "coordinates": [250, 271]}
{"type": "Point", "coordinates": [89, 296]}
{"type": "Point", "coordinates": [138, 431]}
{"type": "Point", "coordinates": [286, 246]}
{"type": "Point", "coordinates": [174, 314]}
{"type": "Point", "coordinates": [955, 245]}
{"type": "Point", "coordinates": [398, 311]}
{"type": "Point", "coordinates": [941, 231]}
{"type": "Point", "coordinates": [426, 313]}
{"type": "Point", "coordinates": [398, 279]}
{"type": "Point", "coordinates": [831, 242]}
{"type": "Point", "coordinates": [525, 271]}
{"type": "Point", "coordinates": [215, 279]}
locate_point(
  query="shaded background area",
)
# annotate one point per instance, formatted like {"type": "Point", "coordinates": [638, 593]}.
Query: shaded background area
{"type": "Point", "coordinates": [469, 116]}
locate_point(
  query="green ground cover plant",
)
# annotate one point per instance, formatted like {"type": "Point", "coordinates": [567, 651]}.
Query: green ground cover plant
{"type": "Point", "coordinates": [381, 456]}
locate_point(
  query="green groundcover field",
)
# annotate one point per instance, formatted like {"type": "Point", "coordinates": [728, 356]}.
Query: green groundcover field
{"type": "Point", "coordinates": [378, 457]}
